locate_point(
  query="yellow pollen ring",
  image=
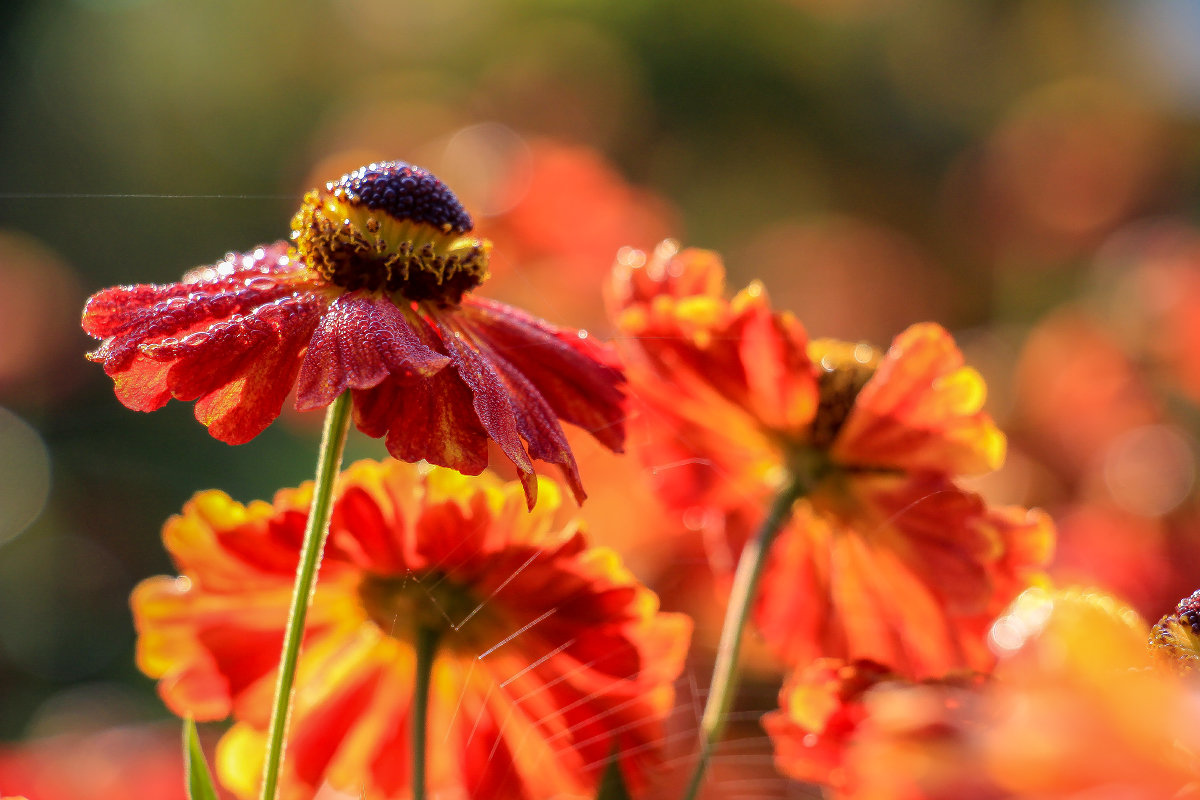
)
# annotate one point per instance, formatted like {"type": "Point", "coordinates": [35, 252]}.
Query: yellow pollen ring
{"type": "Point", "coordinates": [356, 247]}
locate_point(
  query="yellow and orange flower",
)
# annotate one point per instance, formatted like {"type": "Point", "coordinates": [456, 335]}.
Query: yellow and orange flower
{"type": "Point", "coordinates": [825, 706]}
{"type": "Point", "coordinates": [551, 657]}
{"type": "Point", "coordinates": [885, 558]}
{"type": "Point", "coordinates": [1075, 710]}
{"type": "Point", "coordinates": [374, 298]}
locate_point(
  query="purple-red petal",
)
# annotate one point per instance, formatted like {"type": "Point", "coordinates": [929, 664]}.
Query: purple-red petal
{"type": "Point", "coordinates": [538, 423]}
{"type": "Point", "coordinates": [492, 405]}
{"type": "Point", "coordinates": [578, 377]}
{"type": "Point", "coordinates": [359, 343]}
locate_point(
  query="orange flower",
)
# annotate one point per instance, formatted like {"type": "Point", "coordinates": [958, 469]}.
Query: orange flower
{"type": "Point", "coordinates": [885, 558]}
{"type": "Point", "coordinates": [824, 706]}
{"type": "Point", "coordinates": [821, 709]}
{"type": "Point", "coordinates": [1073, 711]}
{"type": "Point", "coordinates": [551, 656]}
{"type": "Point", "coordinates": [373, 298]}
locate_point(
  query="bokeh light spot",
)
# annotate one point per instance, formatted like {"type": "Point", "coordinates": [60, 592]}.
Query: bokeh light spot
{"type": "Point", "coordinates": [24, 475]}
{"type": "Point", "coordinates": [1149, 470]}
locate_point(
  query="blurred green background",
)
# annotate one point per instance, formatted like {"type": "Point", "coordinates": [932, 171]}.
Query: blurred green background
{"type": "Point", "coordinates": [991, 165]}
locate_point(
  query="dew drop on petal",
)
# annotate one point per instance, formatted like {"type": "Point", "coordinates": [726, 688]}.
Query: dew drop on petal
{"type": "Point", "coordinates": [195, 339]}
{"type": "Point", "coordinates": [260, 283]}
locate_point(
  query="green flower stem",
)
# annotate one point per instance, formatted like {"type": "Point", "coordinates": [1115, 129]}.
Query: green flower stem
{"type": "Point", "coordinates": [329, 461]}
{"type": "Point", "coordinates": [426, 646]}
{"type": "Point", "coordinates": [725, 670]}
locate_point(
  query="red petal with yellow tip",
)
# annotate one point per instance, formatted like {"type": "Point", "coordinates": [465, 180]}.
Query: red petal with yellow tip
{"type": "Point", "coordinates": [551, 657]}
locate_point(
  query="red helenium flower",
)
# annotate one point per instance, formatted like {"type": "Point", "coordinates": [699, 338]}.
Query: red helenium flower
{"type": "Point", "coordinates": [885, 558]}
{"type": "Point", "coordinates": [551, 657]}
{"type": "Point", "coordinates": [371, 296]}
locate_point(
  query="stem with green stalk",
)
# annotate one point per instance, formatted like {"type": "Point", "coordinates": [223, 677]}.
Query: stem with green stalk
{"type": "Point", "coordinates": [426, 647]}
{"type": "Point", "coordinates": [745, 583]}
{"type": "Point", "coordinates": [329, 461]}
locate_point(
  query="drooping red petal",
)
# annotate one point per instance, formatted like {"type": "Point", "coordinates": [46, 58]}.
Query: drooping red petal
{"type": "Point", "coordinates": [431, 419]}
{"type": "Point", "coordinates": [142, 361]}
{"type": "Point", "coordinates": [492, 405]}
{"type": "Point", "coordinates": [131, 316]}
{"type": "Point", "coordinates": [537, 422]}
{"type": "Point", "coordinates": [115, 310]}
{"type": "Point", "coordinates": [361, 341]}
{"type": "Point", "coordinates": [228, 335]}
{"type": "Point", "coordinates": [579, 378]}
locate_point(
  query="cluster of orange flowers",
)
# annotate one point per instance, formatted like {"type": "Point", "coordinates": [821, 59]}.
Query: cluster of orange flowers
{"type": "Point", "coordinates": [926, 655]}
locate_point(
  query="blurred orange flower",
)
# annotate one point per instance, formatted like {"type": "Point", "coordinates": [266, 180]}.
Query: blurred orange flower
{"type": "Point", "coordinates": [885, 558]}
{"type": "Point", "coordinates": [551, 656]}
{"type": "Point", "coordinates": [110, 764]}
{"type": "Point", "coordinates": [563, 211]}
{"type": "Point", "coordinates": [372, 298]}
{"type": "Point", "coordinates": [1073, 711]}
{"type": "Point", "coordinates": [824, 705]}
{"type": "Point", "coordinates": [1077, 391]}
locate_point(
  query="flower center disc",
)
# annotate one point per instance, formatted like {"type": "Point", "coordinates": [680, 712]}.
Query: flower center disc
{"type": "Point", "coordinates": [391, 227]}
{"type": "Point", "coordinates": [401, 605]}
{"type": "Point", "coordinates": [845, 369]}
